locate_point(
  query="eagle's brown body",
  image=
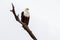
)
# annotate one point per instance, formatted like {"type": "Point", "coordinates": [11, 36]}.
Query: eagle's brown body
{"type": "Point", "coordinates": [24, 18]}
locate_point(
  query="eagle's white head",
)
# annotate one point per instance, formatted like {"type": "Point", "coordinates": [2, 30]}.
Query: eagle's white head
{"type": "Point", "coordinates": [26, 12]}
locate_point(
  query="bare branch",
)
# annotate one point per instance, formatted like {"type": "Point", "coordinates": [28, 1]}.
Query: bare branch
{"type": "Point", "coordinates": [25, 26]}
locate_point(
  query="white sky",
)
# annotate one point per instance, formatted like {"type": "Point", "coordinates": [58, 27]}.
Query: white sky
{"type": "Point", "coordinates": [44, 19]}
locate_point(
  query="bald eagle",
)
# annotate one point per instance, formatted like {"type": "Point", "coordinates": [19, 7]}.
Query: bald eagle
{"type": "Point", "coordinates": [25, 16]}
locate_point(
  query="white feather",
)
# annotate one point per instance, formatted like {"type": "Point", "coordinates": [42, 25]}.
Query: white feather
{"type": "Point", "coordinates": [26, 13]}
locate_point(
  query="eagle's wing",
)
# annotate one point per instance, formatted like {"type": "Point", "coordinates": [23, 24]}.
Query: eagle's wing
{"type": "Point", "coordinates": [22, 16]}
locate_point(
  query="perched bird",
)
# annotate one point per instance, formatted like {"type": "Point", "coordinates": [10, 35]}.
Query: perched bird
{"type": "Point", "coordinates": [25, 16]}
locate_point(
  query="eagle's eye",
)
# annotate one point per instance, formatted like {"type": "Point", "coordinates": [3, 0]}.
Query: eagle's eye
{"type": "Point", "coordinates": [27, 8]}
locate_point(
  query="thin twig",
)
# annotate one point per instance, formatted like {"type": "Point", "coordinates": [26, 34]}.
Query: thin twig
{"type": "Point", "coordinates": [25, 26]}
